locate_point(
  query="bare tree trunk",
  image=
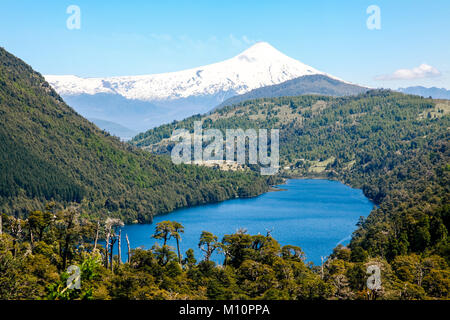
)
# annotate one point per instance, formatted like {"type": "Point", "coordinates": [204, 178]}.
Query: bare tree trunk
{"type": "Point", "coordinates": [18, 232]}
{"type": "Point", "coordinates": [321, 269]}
{"type": "Point", "coordinates": [65, 252]}
{"type": "Point", "coordinates": [129, 251]}
{"type": "Point", "coordinates": [14, 247]}
{"type": "Point", "coordinates": [119, 242]}
{"type": "Point", "coordinates": [112, 253]}
{"type": "Point", "coordinates": [96, 235]}
{"type": "Point", "coordinates": [107, 250]}
{"type": "Point", "coordinates": [178, 248]}
{"type": "Point", "coordinates": [31, 239]}
{"type": "Point", "coordinates": [420, 276]}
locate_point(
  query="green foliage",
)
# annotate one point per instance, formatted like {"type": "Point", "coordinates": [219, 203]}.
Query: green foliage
{"type": "Point", "coordinates": [255, 267]}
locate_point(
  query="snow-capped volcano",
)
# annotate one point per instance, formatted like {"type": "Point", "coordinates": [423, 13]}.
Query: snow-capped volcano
{"type": "Point", "coordinates": [258, 66]}
{"type": "Point", "coordinates": [142, 102]}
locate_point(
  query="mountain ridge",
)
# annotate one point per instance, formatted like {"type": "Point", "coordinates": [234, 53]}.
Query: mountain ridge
{"type": "Point", "coordinates": [434, 92]}
{"type": "Point", "coordinates": [310, 84]}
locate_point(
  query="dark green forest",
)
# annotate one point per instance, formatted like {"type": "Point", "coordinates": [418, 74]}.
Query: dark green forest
{"type": "Point", "coordinates": [35, 253]}
{"type": "Point", "coordinates": [65, 185]}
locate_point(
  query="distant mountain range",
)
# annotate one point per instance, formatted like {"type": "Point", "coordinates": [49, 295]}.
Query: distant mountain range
{"type": "Point", "coordinates": [436, 93]}
{"type": "Point", "coordinates": [121, 131]}
{"type": "Point", "coordinates": [146, 101]}
{"type": "Point", "coordinates": [313, 84]}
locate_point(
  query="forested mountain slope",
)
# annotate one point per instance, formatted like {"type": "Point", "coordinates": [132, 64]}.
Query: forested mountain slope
{"type": "Point", "coordinates": [48, 151]}
{"type": "Point", "coordinates": [311, 84]}
{"type": "Point", "coordinates": [391, 145]}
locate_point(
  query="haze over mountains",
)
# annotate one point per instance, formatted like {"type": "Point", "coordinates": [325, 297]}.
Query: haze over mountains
{"type": "Point", "coordinates": [142, 102]}
{"type": "Point", "coordinates": [435, 93]}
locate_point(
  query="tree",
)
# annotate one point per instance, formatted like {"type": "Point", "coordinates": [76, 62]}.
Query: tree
{"type": "Point", "coordinates": [290, 252]}
{"type": "Point", "coordinates": [68, 219]}
{"type": "Point", "coordinates": [111, 238]}
{"type": "Point", "coordinates": [437, 283]}
{"type": "Point", "coordinates": [38, 221]}
{"type": "Point", "coordinates": [358, 254]}
{"type": "Point", "coordinates": [190, 260]}
{"type": "Point", "coordinates": [237, 247]}
{"type": "Point", "coordinates": [163, 254]}
{"type": "Point", "coordinates": [177, 230]}
{"type": "Point", "coordinates": [208, 244]}
{"type": "Point", "coordinates": [163, 231]}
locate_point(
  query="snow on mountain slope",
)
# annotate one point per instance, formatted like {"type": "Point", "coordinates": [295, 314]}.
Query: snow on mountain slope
{"type": "Point", "coordinates": [258, 66]}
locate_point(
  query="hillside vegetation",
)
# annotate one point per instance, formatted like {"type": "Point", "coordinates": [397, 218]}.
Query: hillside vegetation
{"type": "Point", "coordinates": [49, 152]}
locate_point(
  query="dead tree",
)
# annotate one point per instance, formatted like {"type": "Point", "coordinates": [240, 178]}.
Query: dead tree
{"type": "Point", "coordinates": [269, 232]}
{"type": "Point", "coordinates": [108, 234]}
{"type": "Point", "coordinates": [31, 239]}
{"type": "Point", "coordinates": [119, 248]}
{"type": "Point", "coordinates": [113, 241]}
{"type": "Point", "coordinates": [129, 251]}
{"type": "Point", "coordinates": [96, 235]}
{"type": "Point", "coordinates": [321, 267]}
{"type": "Point", "coordinates": [16, 231]}
{"type": "Point", "coordinates": [111, 238]}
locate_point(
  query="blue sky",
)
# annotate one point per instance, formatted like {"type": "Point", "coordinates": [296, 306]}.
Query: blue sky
{"type": "Point", "coordinates": [142, 37]}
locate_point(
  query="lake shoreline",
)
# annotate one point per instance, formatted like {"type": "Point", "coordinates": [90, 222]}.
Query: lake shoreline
{"type": "Point", "coordinates": [315, 215]}
{"type": "Point", "coordinates": [272, 188]}
{"type": "Point", "coordinates": [319, 177]}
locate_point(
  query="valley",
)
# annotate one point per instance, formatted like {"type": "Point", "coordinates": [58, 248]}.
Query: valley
{"type": "Point", "coordinates": [67, 185]}
{"type": "Point", "coordinates": [222, 159]}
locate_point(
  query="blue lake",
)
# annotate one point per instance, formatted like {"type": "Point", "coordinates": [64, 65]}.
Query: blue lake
{"type": "Point", "coordinates": [315, 215]}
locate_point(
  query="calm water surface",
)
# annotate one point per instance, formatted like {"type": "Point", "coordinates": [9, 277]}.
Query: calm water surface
{"type": "Point", "coordinates": [315, 215]}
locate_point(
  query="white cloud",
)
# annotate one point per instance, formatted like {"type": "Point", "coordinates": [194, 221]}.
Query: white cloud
{"type": "Point", "coordinates": [241, 41]}
{"type": "Point", "coordinates": [247, 40]}
{"type": "Point", "coordinates": [420, 72]}
{"type": "Point", "coordinates": [188, 43]}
